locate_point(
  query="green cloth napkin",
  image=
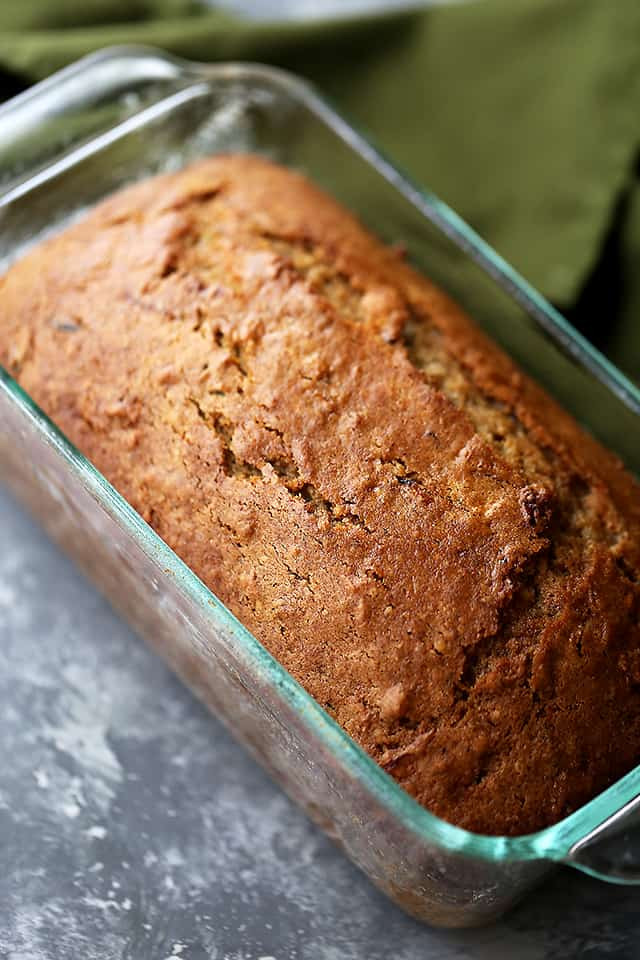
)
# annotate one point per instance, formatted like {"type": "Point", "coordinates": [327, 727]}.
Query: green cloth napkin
{"type": "Point", "coordinates": [524, 115]}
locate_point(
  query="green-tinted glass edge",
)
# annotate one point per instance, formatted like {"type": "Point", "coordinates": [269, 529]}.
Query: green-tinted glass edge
{"type": "Point", "coordinates": [552, 842]}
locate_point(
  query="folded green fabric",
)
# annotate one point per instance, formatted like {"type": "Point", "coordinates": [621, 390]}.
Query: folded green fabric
{"type": "Point", "coordinates": [522, 114]}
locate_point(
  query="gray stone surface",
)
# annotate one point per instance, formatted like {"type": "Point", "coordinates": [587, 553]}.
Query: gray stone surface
{"type": "Point", "coordinates": [131, 825]}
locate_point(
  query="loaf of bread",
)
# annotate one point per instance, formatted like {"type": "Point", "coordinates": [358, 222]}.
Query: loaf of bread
{"type": "Point", "coordinates": [417, 532]}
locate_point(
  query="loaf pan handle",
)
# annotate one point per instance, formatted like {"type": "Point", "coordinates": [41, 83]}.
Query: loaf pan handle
{"type": "Point", "coordinates": [611, 852]}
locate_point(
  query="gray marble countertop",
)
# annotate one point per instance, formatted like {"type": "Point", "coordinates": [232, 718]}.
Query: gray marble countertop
{"type": "Point", "coordinates": [133, 828]}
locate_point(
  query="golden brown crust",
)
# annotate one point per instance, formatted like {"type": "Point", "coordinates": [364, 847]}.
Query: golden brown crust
{"type": "Point", "coordinates": [411, 526]}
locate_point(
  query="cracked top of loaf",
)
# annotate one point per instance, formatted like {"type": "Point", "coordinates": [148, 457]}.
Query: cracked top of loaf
{"type": "Point", "coordinates": [419, 534]}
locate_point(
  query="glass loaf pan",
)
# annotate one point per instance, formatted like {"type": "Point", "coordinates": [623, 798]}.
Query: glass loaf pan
{"type": "Point", "coordinates": [126, 113]}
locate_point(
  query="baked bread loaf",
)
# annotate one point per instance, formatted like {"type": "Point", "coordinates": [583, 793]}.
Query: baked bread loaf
{"type": "Point", "coordinates": [423, 538]}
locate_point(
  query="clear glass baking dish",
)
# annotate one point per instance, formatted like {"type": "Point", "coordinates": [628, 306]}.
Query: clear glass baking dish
{"type": "Point", "coordinates": [128, 112]}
